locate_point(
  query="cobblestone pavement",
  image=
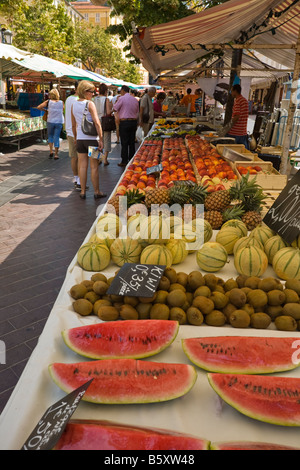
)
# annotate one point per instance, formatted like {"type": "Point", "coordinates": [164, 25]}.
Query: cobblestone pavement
{"type": "Point", "coordinates": [42, 224]}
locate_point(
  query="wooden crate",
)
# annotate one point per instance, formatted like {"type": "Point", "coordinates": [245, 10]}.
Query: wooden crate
{"type": "Point", "coordinates": [273, 180]}
{"type": "Point", "coordinates": [271, 197]}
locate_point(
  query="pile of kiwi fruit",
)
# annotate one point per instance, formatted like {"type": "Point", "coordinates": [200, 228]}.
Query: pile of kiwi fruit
{"type": "Point", "coordinates": [197, 299]}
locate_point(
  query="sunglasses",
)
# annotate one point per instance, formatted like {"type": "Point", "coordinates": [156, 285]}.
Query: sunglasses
{"type": "Point", "coordinates": [89, 91]}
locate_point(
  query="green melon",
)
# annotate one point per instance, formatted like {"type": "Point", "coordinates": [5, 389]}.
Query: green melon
{"type": "Point", "coordinates": [156, 254]}
{"type": "Point", "coordinates": [93, 257]}
{"type": "Point", "coordinates": [211, 257]}
{"type": "Point", "coordinates": [109, 223]}
{"type": "Point", "coordinates": [125, 250]}
{"type": "Point", "coordinates": [154, 229]}
{"type": "Point", "coordinates": [286, 263]}
{"type": "Point", "coordinates": [251, 261]}
{"type": "Point", "coordinates": [227, 237]}
{"type": "Point", "coordinates": [262, 233]}
{"type": "Point", "coordinates": [178, 250]}
{"type": "Point", "coordinates": [246, 242]}
{"type": "Point", "coordinates": [205, 226]}
{"type": "Point", "coordinates": [273, 245]}
{"type": "Point", "coordinates": [125, 381]}
{"type": "Point", "coordinates": [238, 224]}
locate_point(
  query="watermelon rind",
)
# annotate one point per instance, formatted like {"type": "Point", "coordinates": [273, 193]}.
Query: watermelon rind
{"type": "Point", "coordinates": [108, 435]}
{"type": "Point", "coordinates": [241, 354]}
{"type": "Point", "coordinates": [271, 399]}
{"type": "Point", "coordinates": [125, 381]}
{"type": "Point", "coordinates": [248, 445]}
{"type": "Point", "coordinates": [111, 333]}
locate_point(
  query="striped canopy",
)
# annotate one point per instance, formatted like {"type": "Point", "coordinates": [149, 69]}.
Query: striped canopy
{"type": "Point", "coordinates": [179, 43]}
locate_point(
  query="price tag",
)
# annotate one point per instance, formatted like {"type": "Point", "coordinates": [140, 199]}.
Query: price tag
{"type": "Point", "coordinates": [52, 424]}
{"type": "Point", "coordinates": [284, 216]}
{"type": "Point", "coordinates": [137, 280]}
{"type": "Point", "coordinates": [154, 169]}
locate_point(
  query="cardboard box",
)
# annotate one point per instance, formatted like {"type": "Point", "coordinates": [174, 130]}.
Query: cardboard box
{"type": "Point", "coordinates": [271, 180]}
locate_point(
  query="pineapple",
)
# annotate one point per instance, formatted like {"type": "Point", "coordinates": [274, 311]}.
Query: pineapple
{"type": "Point", "coordinates": [252, 219]}
{"type": "Point", "coordinates": [134, 196]}
{"type": "Point", "coordinates": [187, 193]}
{"type": "Point", "coordinates": [218, 201]}
{"type": "Point", "coordinates": [157, 196]}
{"type": "Point", "coordinates": [215, 219]}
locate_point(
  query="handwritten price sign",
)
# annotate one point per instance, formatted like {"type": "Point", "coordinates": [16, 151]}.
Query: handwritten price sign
{"type": "Point", "coordinates": [137, 280]}
{"type": "Point", "coordinates": [284, 216]}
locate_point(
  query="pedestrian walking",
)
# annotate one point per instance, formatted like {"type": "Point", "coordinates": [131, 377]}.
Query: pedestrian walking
{"type": "Point", "coordinates": [104, 108]}
{"type": "Point", "coordinates": [240, 114]}
{"type": "Point", "coordinates": [127, 108]}
{"type": "Point", "coordinates": [146, 116]}
{"type": "Point", "coordinates": [85, 110]}
{"type": "Point", "coordinates": [117, 120]}
{"type": "Point", "coordinates": [55, 120]}
{"type": "Point", "coordinates": [70, 136]}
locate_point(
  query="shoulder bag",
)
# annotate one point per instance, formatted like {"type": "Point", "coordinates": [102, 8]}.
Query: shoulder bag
{"type": "Point", "coordinates": [45, 115]}
{"type": "Point", "coordinates": [108, 121]}
{"type": "Point", "coordinates": [88, 127]}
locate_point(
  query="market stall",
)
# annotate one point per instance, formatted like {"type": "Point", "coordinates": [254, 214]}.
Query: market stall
{"type": "Point", "coordinates": [198, 412]}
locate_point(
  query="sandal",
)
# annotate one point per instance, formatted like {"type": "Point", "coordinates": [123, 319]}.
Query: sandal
{"type": "Point", "coordinates": [106, 163]}
{"type": "Point", "coordinates": [99, 196]}
{"type": "Point", "coordinates": [82, 196]}
{"type": "Point", "coordinates": [51, 155]}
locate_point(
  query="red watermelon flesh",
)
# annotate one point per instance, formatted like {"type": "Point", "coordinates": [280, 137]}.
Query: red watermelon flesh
{"type": "Point", "coordinates": [241, 354]}
{"type": "Point", "coordinates": [120, 381]}
{"type": "Point", "coordinates": [271, 399]}
{"type": "Point", "coordinates": [249, 446]}
{"type": "Point", "coordinates": [105, 435]}
{"type": "Point", "coordinates": [122, 339]}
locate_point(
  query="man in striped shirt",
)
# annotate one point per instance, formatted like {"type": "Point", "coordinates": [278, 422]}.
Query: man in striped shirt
{"type": "Point", "coordinates": [240, 114]}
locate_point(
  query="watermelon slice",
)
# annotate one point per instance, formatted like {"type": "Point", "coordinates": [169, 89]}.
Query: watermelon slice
{"type": "Point", "coordinates": [120, 381]}
{"type": "Point", "coordinates": [105, 435]}
{"type": "Point", "coordinates": [271, 399]}
{"type": "Point", "coordinates": [241, 354]}
{"type": "Point", "coordinates": [132, 339]}
{"type": "Point", "coordinates": [249, 446]}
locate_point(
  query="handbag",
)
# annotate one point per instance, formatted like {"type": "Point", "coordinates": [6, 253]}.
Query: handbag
{"type": "Point", "coordinates": [108, 121]}
{"type": "Point", "coordinates": [45, 115]}
{"type": "Point", "coordinates": [88, 127]}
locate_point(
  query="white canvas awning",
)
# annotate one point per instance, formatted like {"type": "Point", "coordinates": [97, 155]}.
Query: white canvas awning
{"type": "Point", "coordinates": [269, 26]}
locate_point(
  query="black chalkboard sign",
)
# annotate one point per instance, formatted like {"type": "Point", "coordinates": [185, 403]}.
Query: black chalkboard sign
{"type": "Point", "coordinates": [137, 280]}
{"type": "Point", "coordinates": [284, 216]}
{"type": "Point", "coordinates": [52, 424]}
{"type": "Point", "coordinates": [154, 169]}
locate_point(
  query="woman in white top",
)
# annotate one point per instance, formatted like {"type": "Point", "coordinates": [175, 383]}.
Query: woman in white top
{"type": "Point", "coordinates": [104, 107]}
{"type": "Point", "coordinates": [83, 141]}
{"type": "Point", "coordinates": [55, 120]}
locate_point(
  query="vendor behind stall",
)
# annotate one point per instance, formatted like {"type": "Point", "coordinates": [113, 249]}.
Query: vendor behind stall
{"type": "Point", "coordinates": [158, 105]}
{"type": "Point", "coordinates": [240, 114]}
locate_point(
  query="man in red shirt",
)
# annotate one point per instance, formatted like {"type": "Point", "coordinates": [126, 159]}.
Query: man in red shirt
{"type": "Point", "coordinates": [240, 114]}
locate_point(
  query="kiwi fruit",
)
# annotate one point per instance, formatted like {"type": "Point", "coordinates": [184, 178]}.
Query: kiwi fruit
{"type": "Point", "coordinates": [101, 303]}
{"type": "Point", "coordinates": [143, 311]}
{"type": "Point", "coordinates": [171, 274]}
{"type": "Point", "coordinates": [78, 291]}
{"type": "Point", "coordinates": [161, 296]}
{"type": "Point", "coordinates": [260, 320]}
{"type": "Point", "coordinates": [211, 281]}
{"type": "Point", "coordinates": [228, 310]}
{"type": "Point", "coordinates": [219, 299]}
{"type": "Point", "coordinates": [100, 287]}
{"type": "Point", "coordinates": [215, 318]}
{"type": "Point", "coordinates": [204, 304]}
{"type": "Point", "coordinates": [276, 297]}
{"type": "Point", "coordinates": [92, 296]}
{"type": "Point", "coordinates": [257, 298]}
{"type": "Point", "coordinates": [202, 290]}
{"type": "Point", "coordinates": [178, 314]}
{"type": "Point", "coordinates": [131, 300]}
{"type": "Point", "coordinates": [293, 284]}
{"type": "Point", "coordinates": [164, 283]}
{"type": "Point", "coordinates": [159, 312]}
{"type": "Point", "coordinates": [241, 279]}
{"type": "Point", "coordinates": [273, 311]}
{"type": "Point", "coordinates": [230, 284]}
{"type": "Point", "coordinates": [83, 307]}
{"type": "Point", "coordinates": [176, 286]}
{"type": "Point", "coordinates": [98, 277]}
{"type": "Point", "coordinates": [195, 280]}
{"type": "Point", "coordinates": [249, 309]}
{"type": "Point", "coordinates": [239, 319]}
{"type": "Point", "coordinates": [291, 296]}
{"type": "Point", "coordinates": [176, 298]}
{"type": "Point", "coordinates": [128, 312]}
{"type": "Point", "coordinates": [88, 284]}
{"type": "Point", "coordinates": [267, 284]}
{"type": "Point", "coordinates": [116, 298]}
{"type": "Point", "coordinates": [108, 313]}
{"type": "Point", "coordinates": [118, 305]}
{"type": "Point", "coordinates": [252, 282]}
{"type": "Point", "coordinates": [194, 316]}
{"type": "Point", "coordinates": [285, 323]}
{"type": "Point", "coordinates": [237, 297]}
{"type": "Point", "coordinates": [292, 310]}
{"type": "Point", "coordinates": [147, 300]}
{"type": "Point", "coordinates": [182, 278]}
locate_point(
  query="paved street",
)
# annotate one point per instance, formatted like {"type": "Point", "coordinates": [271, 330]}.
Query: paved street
{"type": "Point", "coordinates": [42, 224]}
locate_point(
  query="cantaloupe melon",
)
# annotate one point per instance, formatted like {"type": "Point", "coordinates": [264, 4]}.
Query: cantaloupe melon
{"type": "Point", "coordinates": [125, 250]}
{"type": "Point", "coordinates": [211, 257]}
{"type": "Point", "coordinates": [262, 233]}
{"type": "Point", "coordinates": [251, 261]}
{"type": "Point", "coordinates": [273, 245]}
{"type": "Point", "coordinates": [238, 224]}
{"type": "Point", "coordinates": [245, 242]}
{"type": "Point", "coordinates": [156, 254]}
{"type": "Point", "coordinates": [178, 250]}
{"type": "Point", "coordinates": [228, 236]}
{"type": "Point", "coordinates": [154, 229]}
{"type": "Point", "coordinates": [93, 257]}
{"type": "Point", "coordinates": [286, 263]}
